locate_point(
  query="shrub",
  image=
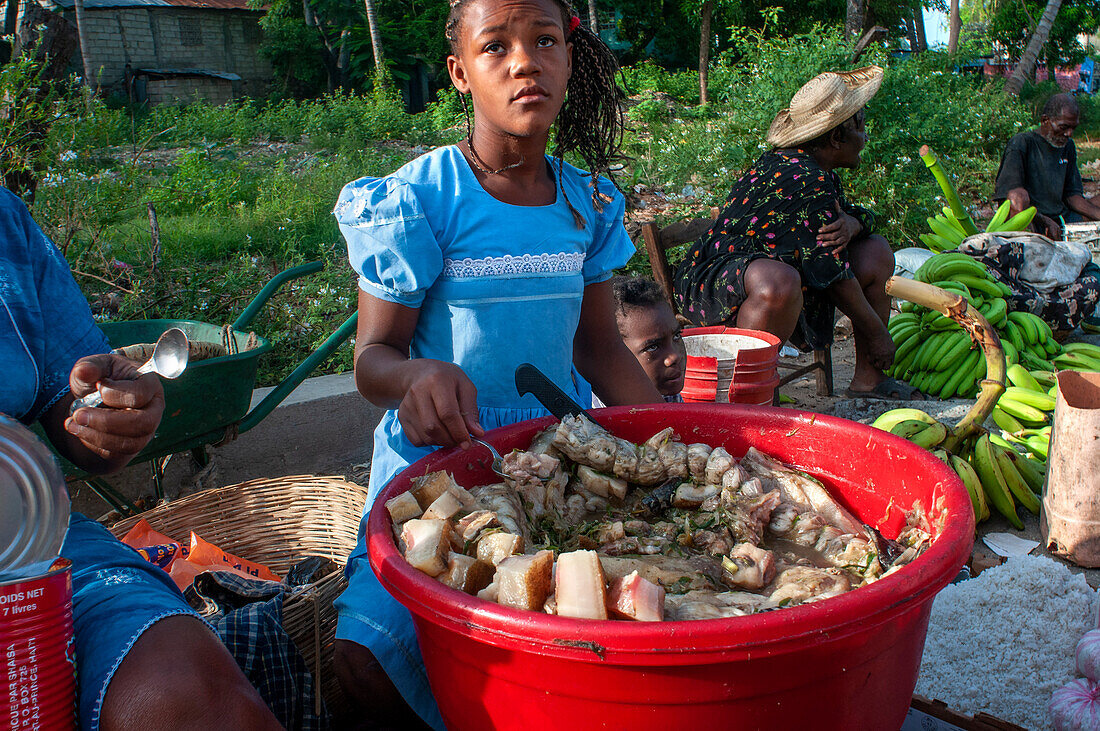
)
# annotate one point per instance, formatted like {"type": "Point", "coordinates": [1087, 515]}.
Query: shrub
{"type": "Point", "coordinates": [683, 86]}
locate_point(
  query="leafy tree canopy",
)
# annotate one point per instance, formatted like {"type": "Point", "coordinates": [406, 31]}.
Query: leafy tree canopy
{"type": "Point", "coordinates": [1010, 23]}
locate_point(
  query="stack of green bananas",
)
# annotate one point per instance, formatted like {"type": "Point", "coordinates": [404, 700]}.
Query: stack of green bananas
{"type": "Point", "coordinates": [995, 475]}
{"type": "Point", "coordinates": [948, 231]}
{"type": "Point", "coordinates": [1032, 443]}
{"type": "Point", "coordinates": [943, 363]}
{"type": "Point", "coordinates": [1024, 411]}
{"type": "Point", "coordinates": [937, 357]}
{"type": "Point", "coordinates": [1026, 403]}
{"type": "Point", "coordinates": [1078, 357]}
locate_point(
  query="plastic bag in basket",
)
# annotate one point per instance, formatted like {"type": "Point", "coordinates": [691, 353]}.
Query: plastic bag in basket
{"type": "Point", "coordinates": [212, 558]}
{"type": "Point", "coordinates": [184, 562]}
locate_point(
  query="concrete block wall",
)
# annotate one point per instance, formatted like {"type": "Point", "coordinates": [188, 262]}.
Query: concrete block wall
{"type": "Point", "coordinates": [188, 89]}
{"type": "Point", "coordinates": [154, 37]}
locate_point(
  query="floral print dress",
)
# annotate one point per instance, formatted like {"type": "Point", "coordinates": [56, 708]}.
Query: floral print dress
{"type": "Point", "coordinates": [774, 211]}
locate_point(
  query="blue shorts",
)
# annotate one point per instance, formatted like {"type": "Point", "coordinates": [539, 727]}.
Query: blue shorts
{"type": "Point", "coordinates": [117, 595]}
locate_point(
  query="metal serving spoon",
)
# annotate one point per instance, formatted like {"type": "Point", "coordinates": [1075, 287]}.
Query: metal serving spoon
{"type": "Point", "coordinates": [498, 461]}
{"type": "Point", "coordinates": [169, 359]}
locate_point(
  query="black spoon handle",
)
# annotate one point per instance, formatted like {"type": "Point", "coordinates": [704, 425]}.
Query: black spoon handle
{"type": "Point", "coordinates": [530, 379]}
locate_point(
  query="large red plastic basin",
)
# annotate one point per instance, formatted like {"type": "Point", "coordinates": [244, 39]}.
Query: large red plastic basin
{"type": "Point", "coordinates": [849, 662]}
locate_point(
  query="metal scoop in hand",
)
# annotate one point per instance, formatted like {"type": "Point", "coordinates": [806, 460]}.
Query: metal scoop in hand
{"type": "Point", "coordinates": [498, 462]}
{"type": "Point", "coordinates": [168, 360]}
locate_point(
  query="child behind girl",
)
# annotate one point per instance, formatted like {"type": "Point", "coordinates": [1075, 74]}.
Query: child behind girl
{"type": "Point", "coordinates": [649, 329]}
{"type": "Point", "coordinates": [473, 259]}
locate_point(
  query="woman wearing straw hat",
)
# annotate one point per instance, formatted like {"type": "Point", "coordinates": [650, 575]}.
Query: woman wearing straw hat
{"type": "Point", "coordinates": [788, 247]}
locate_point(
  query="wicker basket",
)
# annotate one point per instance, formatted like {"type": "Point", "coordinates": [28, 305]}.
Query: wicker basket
{"type": "Point", "coordinates": [277, 522]}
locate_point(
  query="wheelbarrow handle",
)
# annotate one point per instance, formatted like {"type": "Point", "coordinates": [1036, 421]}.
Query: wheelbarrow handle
{"type": "Point", "coordinates": [299, 374]}
{"type": "Point", "coordinates": [271, 288]}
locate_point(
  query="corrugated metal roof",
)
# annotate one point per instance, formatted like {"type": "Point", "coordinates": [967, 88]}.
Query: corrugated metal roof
{"type": "Point", "coordinates": [202, 4]}
{"type": "Point", "coordinates": [226, 75]}
{"type": "Point", "coordinates": [100, 4]}
{"type": "Point", "coordinates": [212, 4]}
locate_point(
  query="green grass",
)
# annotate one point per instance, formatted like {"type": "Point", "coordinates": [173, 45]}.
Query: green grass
{"type": "Point", "coordinates": [1087, 153]}
{"type": "Point", "coordinates": [217, 251]}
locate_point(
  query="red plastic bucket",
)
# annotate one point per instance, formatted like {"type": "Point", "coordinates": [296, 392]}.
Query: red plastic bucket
{"type": "Point", "coordinates": [730, 364]}
{"type": "Point", "coordinates": [38, 676]}
{"type": "Point", "coordinates": [849, 662]}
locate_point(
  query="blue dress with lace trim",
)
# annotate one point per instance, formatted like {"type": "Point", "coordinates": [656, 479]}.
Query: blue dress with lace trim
{"type": "Point", "coordinates": [497, 285]}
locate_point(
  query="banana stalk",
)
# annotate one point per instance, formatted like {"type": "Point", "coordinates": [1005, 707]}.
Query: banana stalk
{"type": "Point", "coordinates": [981, 332]}
{"type": "Point", "coordinates": [949, 191]}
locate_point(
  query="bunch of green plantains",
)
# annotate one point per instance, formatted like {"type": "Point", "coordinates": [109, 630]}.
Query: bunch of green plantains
{"type": "Point", "coordinates": [933, 352]}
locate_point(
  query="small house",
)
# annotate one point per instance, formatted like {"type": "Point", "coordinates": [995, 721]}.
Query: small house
{"type": "Point", "coordinates": [171, 51]}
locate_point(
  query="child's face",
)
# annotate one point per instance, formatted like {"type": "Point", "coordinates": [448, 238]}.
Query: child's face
{"type": "Point", "coordinates": [654, 337]}
{"type": "Point", "coordinates": [515, 62]}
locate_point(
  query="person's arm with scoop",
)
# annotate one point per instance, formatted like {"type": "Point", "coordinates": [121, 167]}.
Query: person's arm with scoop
{"type": "Point", "coordinates": [144, 658]}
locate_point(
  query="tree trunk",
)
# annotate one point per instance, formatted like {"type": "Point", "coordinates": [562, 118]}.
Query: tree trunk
{"type": "Point", "coordinates": [343, 60]}
{"type": "Point", "coordinates": [954, 28]}
{"type": "Point", "coordinates": [1026, 67]}
{"type": "Point", "coordinates": [593, 20]}
{"type": "Point", "coordinates": [82, 35]}
{"type": "Point", "coordinates": [11, 15]}
{"type": "Point", "coordinates": [704, 48]}
{"type": "Point", "coordinates": [853, 23]}
{"type": "Point", "coordinates": [911, 34]}
{"type": "Point", "coordinates": [918, 22]}
{"type": "Point", "coordinates": [375, 37]}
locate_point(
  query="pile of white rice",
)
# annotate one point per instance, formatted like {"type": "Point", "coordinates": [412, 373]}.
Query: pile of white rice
{"type": "Point", "coordinates": [1003, 641]}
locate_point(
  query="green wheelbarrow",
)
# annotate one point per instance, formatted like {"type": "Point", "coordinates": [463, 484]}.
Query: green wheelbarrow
{"type": "Point", "coordinates": [209, 403]}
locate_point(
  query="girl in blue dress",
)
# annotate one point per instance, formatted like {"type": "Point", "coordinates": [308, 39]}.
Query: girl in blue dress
{"type": "Point", "coordinates": [473, 259]}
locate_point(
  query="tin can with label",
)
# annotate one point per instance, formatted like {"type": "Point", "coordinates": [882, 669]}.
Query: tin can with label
{"type": "Point", "coordinates": [37, 668]}
{"type": "Point", "coordinates": [37, 664]}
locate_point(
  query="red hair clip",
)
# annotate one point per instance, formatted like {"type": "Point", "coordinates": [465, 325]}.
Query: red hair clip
{"type": "Point", "coordinates": [574, 23]}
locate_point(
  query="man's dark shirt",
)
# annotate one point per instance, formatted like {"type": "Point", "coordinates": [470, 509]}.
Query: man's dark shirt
{"type": "Point", "coordinates": [1048, 174]}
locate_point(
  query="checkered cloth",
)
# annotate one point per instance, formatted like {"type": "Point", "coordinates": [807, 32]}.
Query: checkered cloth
{"type": "Point", "coordinates": [247, 615]}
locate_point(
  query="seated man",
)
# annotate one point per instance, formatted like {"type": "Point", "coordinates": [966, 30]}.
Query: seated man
{"type": "Point", "coordinates": [788, 247]}
{"type": "Point", "coordinates": [1039, 168]}
{"type": "Point", "coordinates": [144, 658]}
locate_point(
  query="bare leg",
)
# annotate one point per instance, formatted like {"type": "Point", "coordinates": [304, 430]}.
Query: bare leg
{"type": "Point", "coordinates": [179, 675]}
{"type": "Point", "coordinates": [774, 298]}
{"type": "Point", "coordinates": [872, 263]}
{"type": "Point", "coordinates": [375, 702]}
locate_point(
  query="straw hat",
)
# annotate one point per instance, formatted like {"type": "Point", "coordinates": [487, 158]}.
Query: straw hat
{"type": "Point", "coordinates": [824, 102]}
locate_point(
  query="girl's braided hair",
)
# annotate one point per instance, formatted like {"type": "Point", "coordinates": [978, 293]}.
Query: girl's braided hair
{"type": "Point", "coordinates": [590, 122]}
